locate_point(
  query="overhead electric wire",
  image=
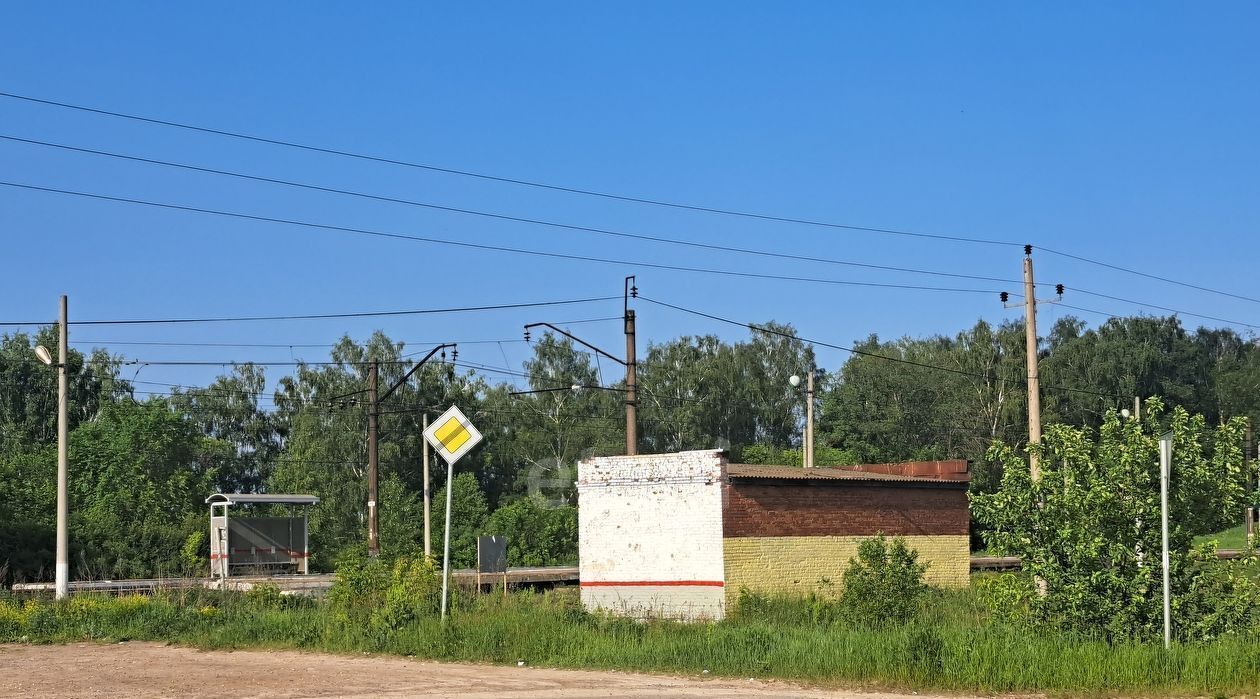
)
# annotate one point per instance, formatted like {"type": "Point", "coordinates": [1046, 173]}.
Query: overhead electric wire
{"type": "Point", "coordinates": [496, 248]}
{"type": "Point", "coordinates": [512, 218]}
{"type": "Point", "coordinates": [1148, 275]}
{"type": "Point", "coordinates": [601, 194]}
{"type": "Point", "coordinates": [864, 353]}
{"type": "Point", "coordinates": [1165, 308]}
{"type": "Point", "coordinates": [257, 345]}
{"type": "Point", "coordinates": [507, 180]}
{"type": "Point", "coordinates": [324, 316]}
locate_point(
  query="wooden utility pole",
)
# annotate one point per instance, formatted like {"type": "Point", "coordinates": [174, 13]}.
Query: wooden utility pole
{"type": "Point", "coordinates": [374, 543]}
{"type": "Point", "coordinates": [632, 403]}
{"type": "Point", "coordinates": [425, 458]}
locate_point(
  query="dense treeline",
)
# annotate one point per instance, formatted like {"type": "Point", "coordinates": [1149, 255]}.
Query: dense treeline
{"type": "Point", "coordinates": [142, 466]}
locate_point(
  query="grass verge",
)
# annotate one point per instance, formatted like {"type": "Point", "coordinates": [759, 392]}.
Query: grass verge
{"type": "Point", "coordinates": [959, 650]}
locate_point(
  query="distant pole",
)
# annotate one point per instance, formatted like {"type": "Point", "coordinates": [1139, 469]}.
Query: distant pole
{"type": "Point", "coordinates": [427, 548]}
{"type": "Point", "coordinates": [446, 538]}
{"type": "Point", "coordinates": [1252, 486]}
{"type": "Point", "coordinates": [1137, 408]}
{"type": "Point", "coordinates": [1030, 343]}
{"type": "Point", "coordinates": [63, 457]}
{"type": "Point", "coordinates": [809, 419]}
{"type": "Point", "coordinates": [632, 420]}
{"type": "Point", "coordinates": [1165, 472]}
{"type": "Point", "coordinates": [374, 543]}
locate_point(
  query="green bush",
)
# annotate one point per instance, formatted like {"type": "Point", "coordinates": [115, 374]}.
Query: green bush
{"type": "Point", "coordinates": [265, 596]}
{"type": "Point", "coordinates": [883, 584]}
{"type": "Point", "coordinates": [415, 591]}
{"type": "Point", "coordinates": [1223, 599]}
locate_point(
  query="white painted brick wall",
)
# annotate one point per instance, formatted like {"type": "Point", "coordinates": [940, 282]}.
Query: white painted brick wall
{"type": "Point", "coordinates": [652, 518]}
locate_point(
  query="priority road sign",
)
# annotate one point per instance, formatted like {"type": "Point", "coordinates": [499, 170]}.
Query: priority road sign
{"type": "Point", "coordinates": [452, 435]}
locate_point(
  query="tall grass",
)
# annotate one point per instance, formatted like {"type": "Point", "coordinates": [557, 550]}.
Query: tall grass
{"type": "Point", "coordinates": [959, 649]}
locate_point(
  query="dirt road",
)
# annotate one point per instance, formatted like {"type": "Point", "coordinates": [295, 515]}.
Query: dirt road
{"type": "Point", "coordinates": [154, 670]}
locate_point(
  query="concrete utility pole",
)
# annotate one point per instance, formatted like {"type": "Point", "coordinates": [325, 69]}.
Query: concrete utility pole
{"type": "Point", "coordinates": [1030, 346]}
{"type": "Point", "coordinates": [1030, 342]}
{"type": "Point", "coordinates": [62, 585]}
{"type": "Point", "coordinates": [425, 458]}
{"type": "Point", "coordinates": [1249, 456]}
{"type": "Point", "coordinates": [809, 420]}
{"type": "Point", "coordinates": [374, 542]}
{"type": "Point", "coordinates": [630, 363]}
{"type": "Point", "coordinates": [374, 407]}
{"type": "Point", "coordinates": [632, 403]}
{"type": "Point", "coordinates": [63, 455]}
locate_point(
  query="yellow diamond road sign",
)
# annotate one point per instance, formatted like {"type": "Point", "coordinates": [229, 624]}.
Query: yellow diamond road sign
{"type": "Point", "coordinates": [452, 435]}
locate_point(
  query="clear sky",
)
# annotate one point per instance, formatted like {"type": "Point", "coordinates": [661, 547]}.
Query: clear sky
{"type": "Point", "coordinates": [1124, 132]}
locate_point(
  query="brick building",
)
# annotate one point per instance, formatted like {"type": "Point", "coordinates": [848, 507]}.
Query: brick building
{"type": "Point", "coordinates": [681, 534]}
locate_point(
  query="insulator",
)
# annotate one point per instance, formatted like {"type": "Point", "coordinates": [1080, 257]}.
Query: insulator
{"type": "Point", "coordinates": [1027, 249]}
{"type": "Point", "coordinates": [1004, 296]}
{"type": "Point", "coordinates": [1058, 289]}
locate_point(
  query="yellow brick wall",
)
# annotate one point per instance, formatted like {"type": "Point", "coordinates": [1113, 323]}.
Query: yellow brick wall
{"type": "Point", "coordinates": [797, 564]}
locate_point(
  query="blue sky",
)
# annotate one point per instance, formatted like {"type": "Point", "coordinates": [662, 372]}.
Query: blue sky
{"type": "Point", "coordinates": [1122, 132]}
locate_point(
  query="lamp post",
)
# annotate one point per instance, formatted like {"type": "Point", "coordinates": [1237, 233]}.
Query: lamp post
{"type": "Point", "coordinates": [807, 443]}
{"type": "Point", "coordinates": [63, 506]}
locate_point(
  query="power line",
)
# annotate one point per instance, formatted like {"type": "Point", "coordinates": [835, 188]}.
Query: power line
{"type": "Point", "coordinates": [864, 353]}
{"type": "Point", "coordinates": [322, 316]}
{"type": "Point", "coordinates": [509, 180]}
{"type": "Point", "coordinates": [507, 217]}
{"type": "Point", "coordinates": [1148, 275]}
{"type": "Point", "coordinates": [277, 345]}
{"type": "Point", "coordinates": [483, 246]}
{"type": "Point", "coordinates": [1165, 308]}
{"type": "Point", "coordinates": [606, 195]}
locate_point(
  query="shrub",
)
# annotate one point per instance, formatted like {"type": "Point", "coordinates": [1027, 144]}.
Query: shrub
{"type": "Point", "coordinates": [264, 595]}
{"type": "Point", "coordinates": [883, 584]}
{"type": "Point", "coordinates": [415, 590]}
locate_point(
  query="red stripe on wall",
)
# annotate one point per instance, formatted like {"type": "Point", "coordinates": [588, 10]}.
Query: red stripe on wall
{"type": "Point", "coordinates": [653, 583]}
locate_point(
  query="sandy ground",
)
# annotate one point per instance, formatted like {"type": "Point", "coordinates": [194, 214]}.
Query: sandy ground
{"type": "Point", "coordinates": [154, 670]}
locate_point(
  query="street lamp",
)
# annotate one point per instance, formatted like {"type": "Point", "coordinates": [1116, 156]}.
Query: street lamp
{"type": "Point", "coordinates": [63, 507]}
{"type": "Point", "coordinates": [807, 444]}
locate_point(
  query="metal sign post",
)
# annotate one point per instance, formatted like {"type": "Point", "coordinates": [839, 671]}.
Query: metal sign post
{"type": "Point", "coordinates": [1165, 469]}
{"type": "Point", "coordinates": [452, 436]}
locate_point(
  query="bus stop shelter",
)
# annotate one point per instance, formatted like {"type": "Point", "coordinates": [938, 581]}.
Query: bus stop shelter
{"type": "Point", "coordinates": [258, 544]}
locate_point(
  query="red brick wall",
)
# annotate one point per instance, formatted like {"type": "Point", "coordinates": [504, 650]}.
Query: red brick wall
{"type": "Point", "coordinates": [842, 510]}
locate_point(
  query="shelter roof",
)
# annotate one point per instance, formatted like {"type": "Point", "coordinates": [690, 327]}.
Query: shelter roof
{"type": "Point", "coordinates": [261, 499]}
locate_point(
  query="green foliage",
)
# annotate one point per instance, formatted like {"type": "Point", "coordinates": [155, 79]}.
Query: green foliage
{"type": "Point", "coordinates": [951, 654]}
{"type": "Point", "coordinates": [381, 595]}
{"type": "Point", "coordinates": [194, 554]}
{"type": "Point", "coordinates": [415, 591]}
{"type": "Point", "coordinates": [468, 515]}
{"type": "Point", "coordinates": [1090, 526]}
{"type": "Point", "coordinates": [883, 584]}
{"type": "Point", "coordinates": [359, 588]}
{"type": "Point", "coordinates": [264, 595]}
{"type": "Point", "coordinates": [768, 455]}
{"type": "Point", "coordinates": [537, 535]}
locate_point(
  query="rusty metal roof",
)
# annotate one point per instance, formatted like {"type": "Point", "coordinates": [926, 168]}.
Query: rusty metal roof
{"type": "Point", "coordinates": [796, 473]}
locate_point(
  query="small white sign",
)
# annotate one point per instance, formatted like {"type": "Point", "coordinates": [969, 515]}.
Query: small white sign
{"type": "Point", "coordinates": [452, 435]}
